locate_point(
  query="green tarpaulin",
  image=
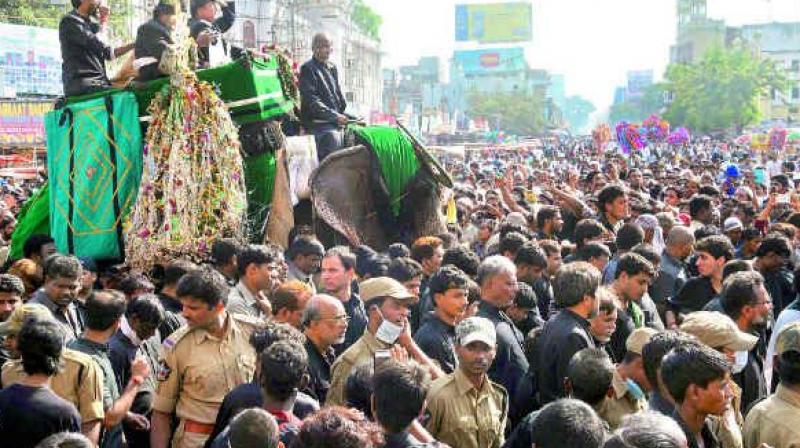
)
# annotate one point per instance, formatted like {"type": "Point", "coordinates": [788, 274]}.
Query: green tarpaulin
{"type": "Point", "coordinates": [94, 160]}
{"type": "Point", "coordinates": [259, 177]}
{"type": "Point", "coordinates": [33, 219]}
{"type": "Point", "coordinates": [251, 89]}
{"type": "Point", "coordinates": [396, 156]}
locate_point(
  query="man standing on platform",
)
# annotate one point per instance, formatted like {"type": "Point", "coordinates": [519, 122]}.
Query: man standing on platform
{"type": "Point", "coordinates": [152, 38]}
{"type": "Point", "coordinates": [84, 50]}
{"type": "Point", "coordinates": [207, 30]}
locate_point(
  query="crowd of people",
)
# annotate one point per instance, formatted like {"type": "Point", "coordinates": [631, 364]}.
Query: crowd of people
{"type": "Point", "coordinates": [580, 298]}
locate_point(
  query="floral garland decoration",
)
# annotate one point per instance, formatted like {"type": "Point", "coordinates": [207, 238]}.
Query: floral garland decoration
{"type": "Point", "coordinates": [192, 189]}
{"type": "Point", "coordinates": [777, 138]}
{"type": "Point", "coordinates": [679, 137]}
{"type": "Point", "coordinates": [657, 128]}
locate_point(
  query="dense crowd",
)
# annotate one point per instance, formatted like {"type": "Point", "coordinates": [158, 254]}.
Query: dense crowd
{"type": "Point", "coordinates": [578, 299]}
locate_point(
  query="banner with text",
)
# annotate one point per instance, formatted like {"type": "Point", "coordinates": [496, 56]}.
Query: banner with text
{"type": "Point", "coordinates": [22, 123]}
{"type": "Point", "coordinates": [491, 23]}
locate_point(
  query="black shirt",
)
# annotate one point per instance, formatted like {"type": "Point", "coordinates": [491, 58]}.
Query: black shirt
{"type": "Point", "coordinates": [122, 352]}
{"type": "Point", "coordinates": [522, 435]}
{"type": "Point", "coordinates": [358, 323]}
{"type": "Point", "coordinates": [321, 95]}
{"type": "Point", "coordinates": [544, 296]}
{"type": "Point", "coordinates": [170, 304]}
{"type": "Point", "coordinates": [173, 319]}
{"type": "Point", "coordinates": [709, 440]}
{"type": "Point", "coordinates": [510, 366]}
{"type": "Point", "coordinates": [248, 395]}
{"type": "Point", "coordinates": [405, 440]}
{"type": "Point", "coordinates": [780, 285]}
{"type": "Point", "coordinates": [219, 26]}
{"type": "Point", "coordinates": [751, 380]}
{"type": "Point", "coordinates": [29, 414]}
{"type": "Point", "coordinates": [319, 371]}
{"type": "Point", "coordinates": [152, 38]}
{"type": "Point", "coordinates": [660, 404]}
{"type": "Point", "coordinates": [436, 338]}
{"type": "Point", "coordinates": [83, 53]}
{"type": "Point", "coordinates": [564, 335]}
{"type": "Point", "coordinates": [625, 326]}
{"type": "Point", "coordinates": [693, 296]}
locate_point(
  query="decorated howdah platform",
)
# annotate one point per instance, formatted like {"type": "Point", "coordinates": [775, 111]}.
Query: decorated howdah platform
{"type": "Point", "coordinates": [251, 88]}
{"type": "Point", "coordinates": [96, 152]}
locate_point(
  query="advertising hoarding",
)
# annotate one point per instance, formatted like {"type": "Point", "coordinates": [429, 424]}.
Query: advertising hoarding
{"type": "Point", "coordinates": [488, 61]}
{"type": "Point", "coordinates": [22, 123]}
{"type": "Point", "coordinates": [490, 23]}
{"type": "Point", "coordinates": [30, 61]}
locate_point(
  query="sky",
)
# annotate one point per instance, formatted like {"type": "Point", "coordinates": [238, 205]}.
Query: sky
{"type": "Point", "coordinates": [593, 43]}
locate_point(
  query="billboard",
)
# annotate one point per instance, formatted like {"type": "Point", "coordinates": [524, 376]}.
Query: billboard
{"type": "Point", "coordinates": [490, 23]}
{"type": "Point", "coordinates": [490, 61]}
{"type": "Point", "coordinates": [30, 61]}
{"type": "Point", "coordinates": [22, 123]}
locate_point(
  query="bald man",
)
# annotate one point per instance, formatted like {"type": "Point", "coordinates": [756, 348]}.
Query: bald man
{"type": "Point", "coordinates": [672, 272]}
{"type": "Point", "coordinates": [325, 325]}
{"type": "Point", "coordinates": [323, 104]}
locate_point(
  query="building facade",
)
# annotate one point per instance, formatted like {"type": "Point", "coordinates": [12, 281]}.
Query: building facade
{"type": "Point", "coordinates": [781, 43]}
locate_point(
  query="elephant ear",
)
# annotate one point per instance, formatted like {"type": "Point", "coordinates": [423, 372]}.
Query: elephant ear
{"type": "Point", "coordinates": [342, 194]}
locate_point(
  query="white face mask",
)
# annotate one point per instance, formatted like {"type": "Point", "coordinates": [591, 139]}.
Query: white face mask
{"type": "Point", "coordinates": [388, 332]}
{"type": "Point", "coordinates": [740, 362]}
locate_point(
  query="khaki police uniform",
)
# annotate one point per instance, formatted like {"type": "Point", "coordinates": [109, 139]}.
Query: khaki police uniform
{"type": "Point", "coordinates": [197, 370]}
{"type": "Point", "coordinates": [80, 382]}
{"type": "Point", "coordinates": [775, 421]}
{"type": "Point", "coordinates": [623, 403]}
{"type": "Point", "coordinates": [360, 352]}
{"type": "Point", "coordinates": [462, 416]}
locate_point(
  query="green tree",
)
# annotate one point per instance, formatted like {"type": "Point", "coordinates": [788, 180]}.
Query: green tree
{"type": "Point", "coordinates": [48, 13]}
{"type": "Point", "coordinates": [510, 112]}
{"type": "Point", "coordinates": [722, 90]}
{"type": "Point", "coordinates": [367, 20]}
{"type": "Point", "coordinates": [576, 111]}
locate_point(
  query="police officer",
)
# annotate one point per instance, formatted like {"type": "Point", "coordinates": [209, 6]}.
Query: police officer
{"type": "Point", "coordinates": [201, 363]}
{"type": "Point", "coordinates": [80, 381]}
{"type": "Point", "coordinates": [773, 421]}
{"type": "Point", "coordinates": [388, 303]}
{"type": "Point", "coordinates": [465, 408]}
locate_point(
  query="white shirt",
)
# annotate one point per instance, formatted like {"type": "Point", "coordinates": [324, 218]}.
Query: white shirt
{"type": "Point", "coordinates": [786, 317]}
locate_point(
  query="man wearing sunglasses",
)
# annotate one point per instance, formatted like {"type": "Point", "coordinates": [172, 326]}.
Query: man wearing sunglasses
{"type": "Point", "coordinates": [325, 325]}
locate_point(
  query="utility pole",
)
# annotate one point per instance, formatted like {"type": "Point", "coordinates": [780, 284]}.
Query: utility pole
{"type": "Point", "coordinates": [292, 24]}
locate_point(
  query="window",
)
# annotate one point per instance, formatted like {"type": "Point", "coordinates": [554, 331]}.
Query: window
{"type": "Point", "coordinates": [796, 93]}
{"type": "Point", "coordinates": [796, 65]}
